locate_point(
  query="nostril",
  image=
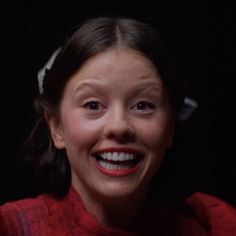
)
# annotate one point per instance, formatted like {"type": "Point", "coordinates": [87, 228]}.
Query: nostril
{"type": "Point", "coordinates": [118, 126]}
{"type": "Point", "coordinates": [128, 134]}
{"type": "Point", "coordinates": [122, 136]}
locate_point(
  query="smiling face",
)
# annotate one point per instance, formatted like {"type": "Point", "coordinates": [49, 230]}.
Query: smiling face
{"type": "Point", "coordinates": [115, 123]}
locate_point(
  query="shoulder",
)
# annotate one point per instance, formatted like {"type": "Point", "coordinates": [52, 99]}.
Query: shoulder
{"type": "Point", "coordinates": [43, 215]}
{"type": "Point", "coordinates": [27, 206]}
{"type": "Point", "coordinates": [218, 216]}
{"type": "Point", "coordinates": [15, 216]}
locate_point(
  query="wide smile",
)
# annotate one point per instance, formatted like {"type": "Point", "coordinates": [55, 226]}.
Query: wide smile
{"type": "Point", "coordinates": [118, 162]}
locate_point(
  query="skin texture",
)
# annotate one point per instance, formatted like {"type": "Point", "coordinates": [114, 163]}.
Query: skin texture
{"type": "Point", "coordinates": [116, 102]}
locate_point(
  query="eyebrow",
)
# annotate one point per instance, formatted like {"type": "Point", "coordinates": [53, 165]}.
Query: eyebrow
{"type": "Point", "coordinates": [144, 84]}
{"type": "Point", "coordinates": [87, 85]}
{"type": "Point", "coordinates": [148, 86]}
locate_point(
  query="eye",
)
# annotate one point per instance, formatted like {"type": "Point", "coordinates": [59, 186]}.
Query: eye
{"type": "Point", "coordinates": [92, 105]}
{"type": "Point", "coordinates": [144, 106]}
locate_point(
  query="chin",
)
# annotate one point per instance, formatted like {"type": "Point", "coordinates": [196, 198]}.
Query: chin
{"type": "Point", "coordinates": [121, 190]}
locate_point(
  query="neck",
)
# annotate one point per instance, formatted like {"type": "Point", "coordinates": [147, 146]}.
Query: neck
{"type": "Point", "coordinates": [121, 213]}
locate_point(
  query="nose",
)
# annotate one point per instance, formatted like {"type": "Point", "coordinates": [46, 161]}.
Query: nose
{"type": "Point", "coordinates": [118, 126]}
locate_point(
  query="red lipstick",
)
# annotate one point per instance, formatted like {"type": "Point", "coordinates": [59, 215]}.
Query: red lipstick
{"type": "Point", "coordinates": [118, 161]}
{"type": "Point", "coordinates": [117, 173]}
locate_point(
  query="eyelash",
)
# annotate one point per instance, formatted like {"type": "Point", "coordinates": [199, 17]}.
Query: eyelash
{"type": "Point", "coordinates": [148, 106]}
{"type": "Point", "coordinates": [141, 106]}
{"type": "Point", "coordinates": [89, 105]}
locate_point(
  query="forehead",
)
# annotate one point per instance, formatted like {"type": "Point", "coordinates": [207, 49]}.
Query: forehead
{"type": "Point", "coordinates": [118, 62]}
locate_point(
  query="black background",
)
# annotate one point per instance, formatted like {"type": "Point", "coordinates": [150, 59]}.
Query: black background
{"type": "Point", "coordinates": [202, 36]}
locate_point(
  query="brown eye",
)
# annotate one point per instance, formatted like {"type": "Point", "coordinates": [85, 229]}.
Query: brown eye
{"type": "Point", "coordinates": [92, 105]}
{"type": "Point", "coordinates": [143, 105]}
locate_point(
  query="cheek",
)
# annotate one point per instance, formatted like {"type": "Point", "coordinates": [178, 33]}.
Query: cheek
{"type": "Point", "coordinates": [156, 138]}
{"type": "Point", "coordinates": [156, 134]}
{"type": "Point", "coordinates": [80, 132]}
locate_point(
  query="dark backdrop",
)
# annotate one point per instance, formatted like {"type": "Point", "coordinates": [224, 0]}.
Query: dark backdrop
{"type": "Point", "coordinates": [202, 37]}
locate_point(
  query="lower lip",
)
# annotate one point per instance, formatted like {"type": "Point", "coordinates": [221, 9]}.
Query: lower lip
{"type": "Point", "coordinates": [118, 173]}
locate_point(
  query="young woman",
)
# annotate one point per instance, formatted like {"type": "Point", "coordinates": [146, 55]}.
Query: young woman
{"type": "Point", "coordinates": [107, 112]}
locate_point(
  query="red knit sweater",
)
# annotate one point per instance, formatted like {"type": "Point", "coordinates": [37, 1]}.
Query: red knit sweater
{"type": "Point", "coordinates": [204, 215]}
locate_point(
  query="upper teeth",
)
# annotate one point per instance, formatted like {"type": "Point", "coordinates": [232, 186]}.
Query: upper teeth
{"type": "Point", "coordinates": [115, 156]}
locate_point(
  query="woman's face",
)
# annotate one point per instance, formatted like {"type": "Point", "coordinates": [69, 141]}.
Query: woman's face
{"type": "Point", "coordinates": [115, 123]}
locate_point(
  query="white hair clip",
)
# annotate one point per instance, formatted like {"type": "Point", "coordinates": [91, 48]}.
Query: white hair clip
{"type": "Point", "coordinates": [47, 66]}
{"type": "Point", "coordinates": [189, 106]}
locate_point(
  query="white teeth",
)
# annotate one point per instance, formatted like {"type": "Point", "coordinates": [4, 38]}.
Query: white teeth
{"type": "Point", "coordinates": [115, 156]}
{"type": "Point", "coordinates": [111, 166]}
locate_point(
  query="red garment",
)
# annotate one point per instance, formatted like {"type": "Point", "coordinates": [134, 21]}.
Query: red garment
{"type": "Point", "coordinates": [45, 216]}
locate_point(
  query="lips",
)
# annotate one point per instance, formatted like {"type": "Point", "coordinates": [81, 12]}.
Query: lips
{"type": "Point", "coordinates": [118, 162]}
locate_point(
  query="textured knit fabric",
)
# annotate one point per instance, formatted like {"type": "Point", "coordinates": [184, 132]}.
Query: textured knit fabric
{"type": "Point", "coordinates": [203, 215]}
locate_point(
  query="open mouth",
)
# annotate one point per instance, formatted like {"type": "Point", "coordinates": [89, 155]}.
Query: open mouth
{"type": "Point", "coordinates": [118, 163]}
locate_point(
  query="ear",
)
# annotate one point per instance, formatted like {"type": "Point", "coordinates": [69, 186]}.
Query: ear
{"type": "Point", "coordinates": [56, 131]}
